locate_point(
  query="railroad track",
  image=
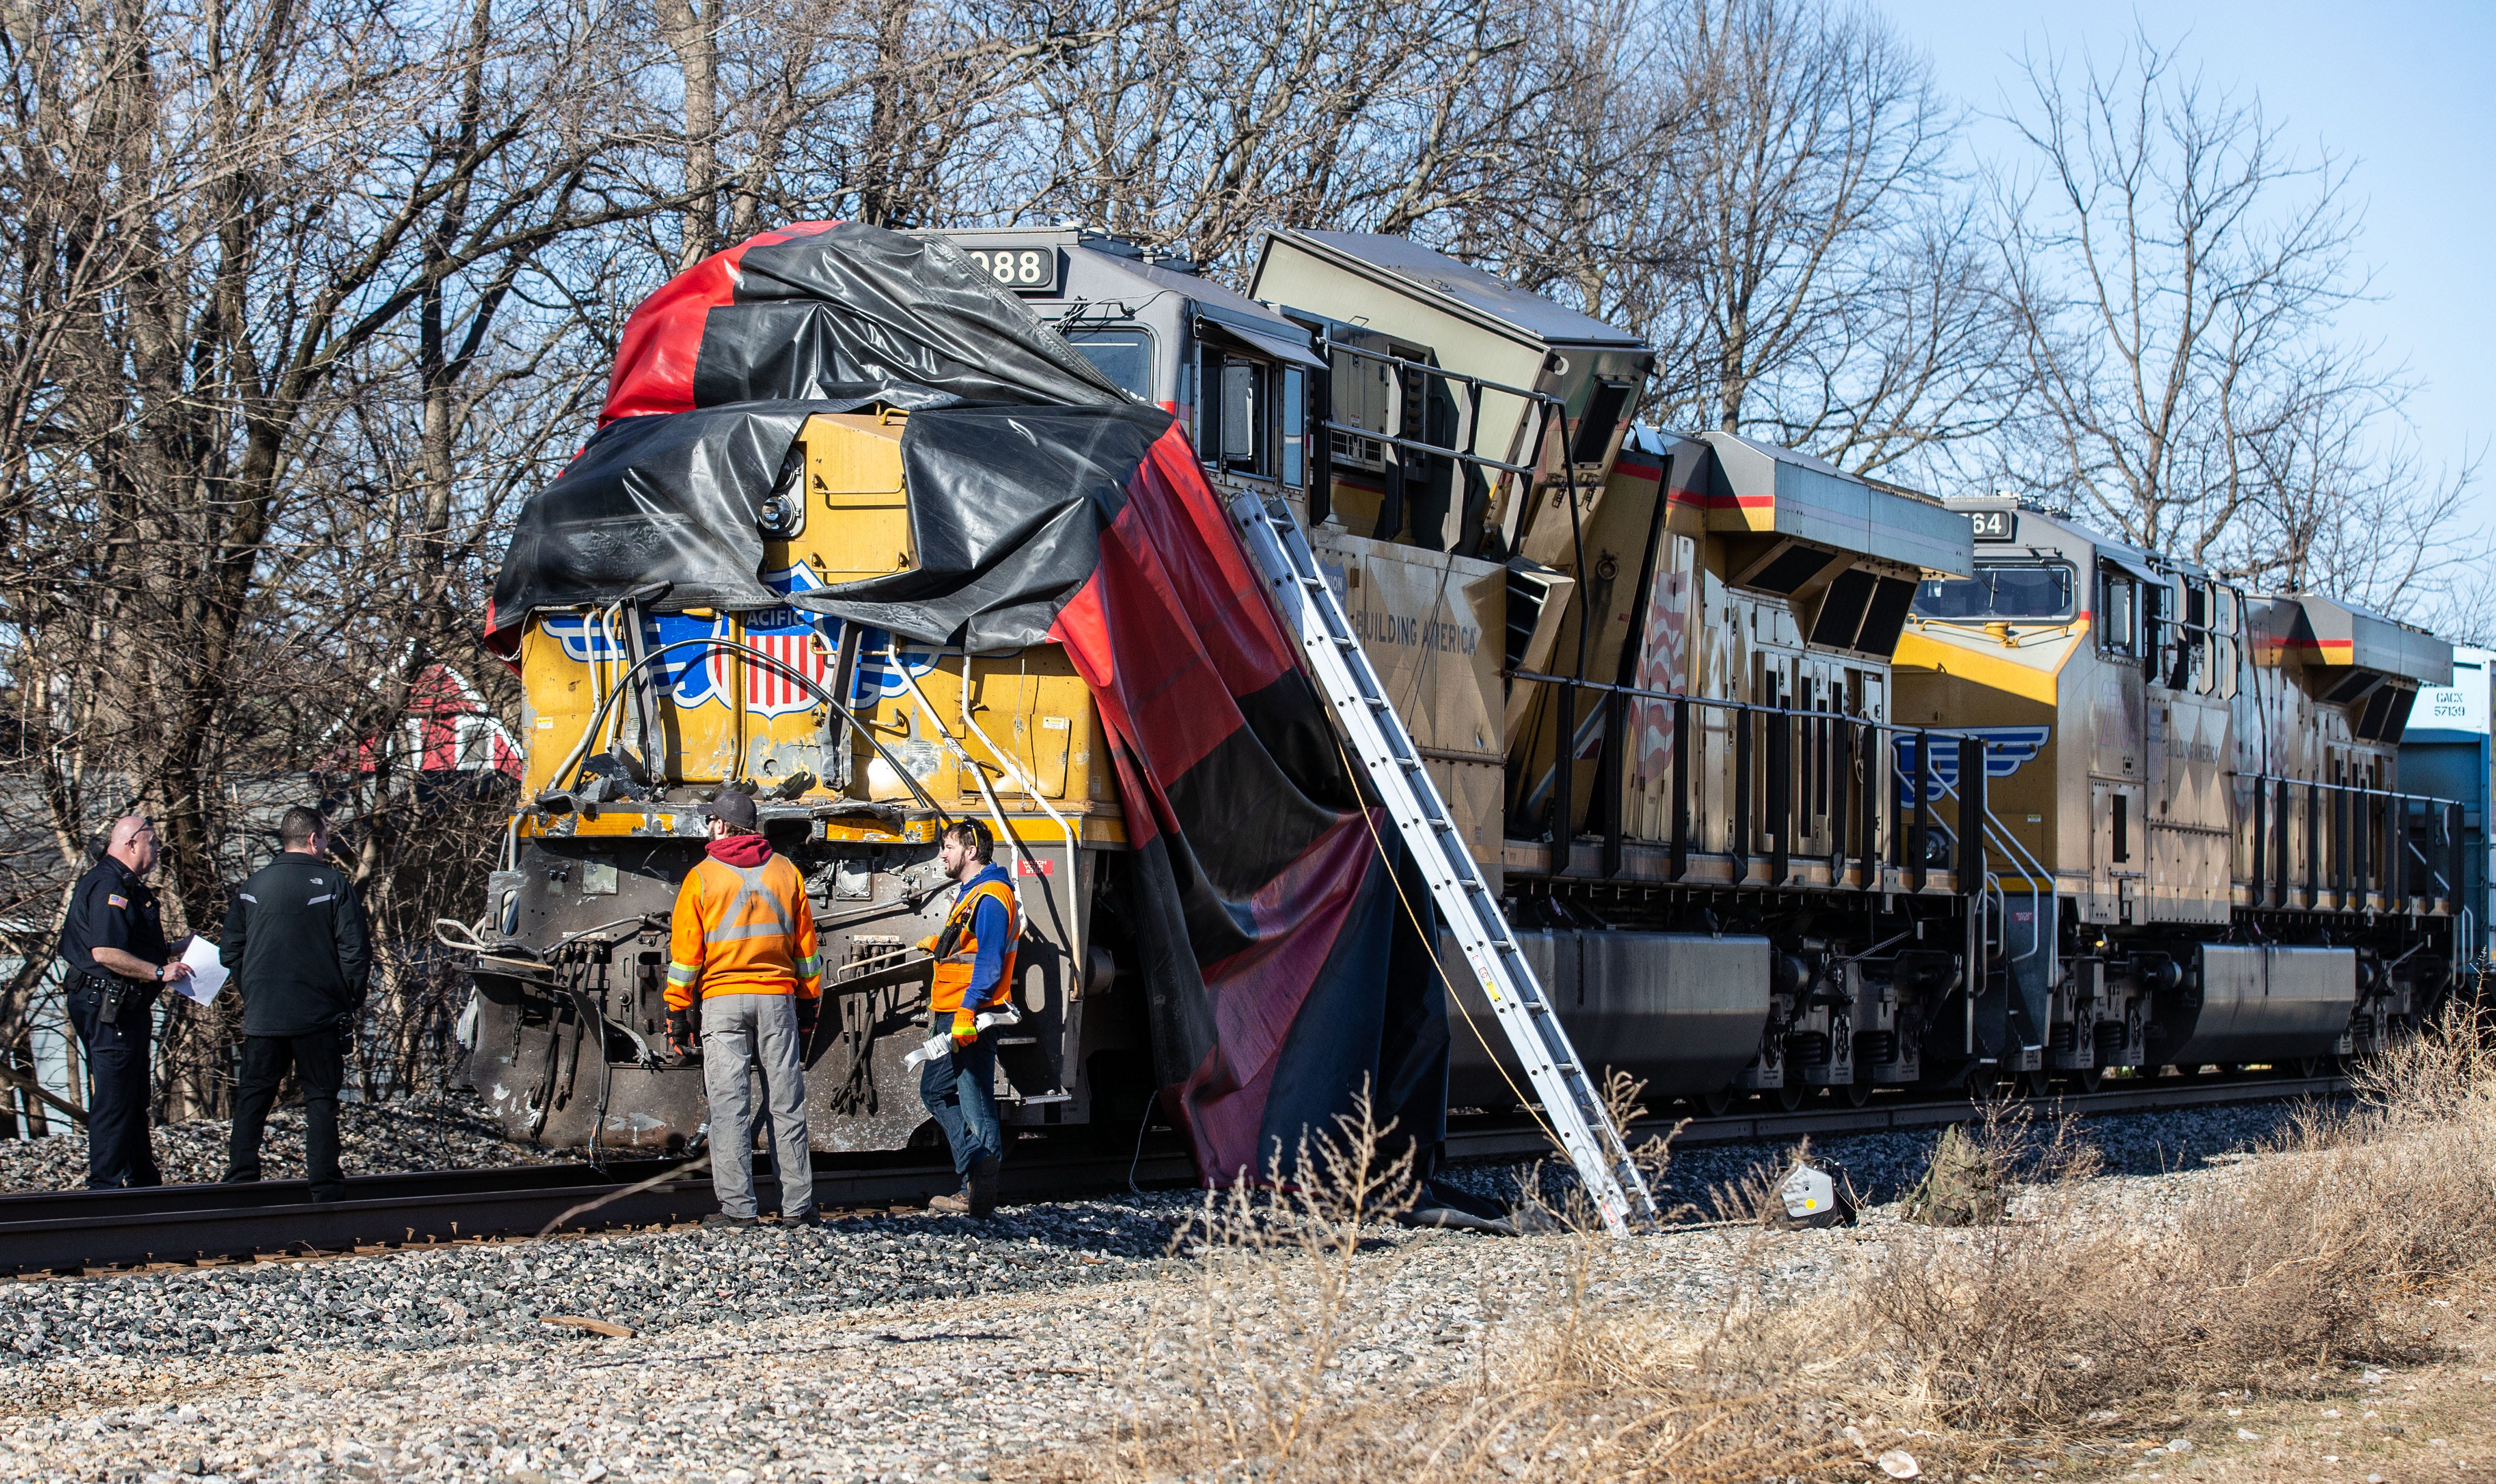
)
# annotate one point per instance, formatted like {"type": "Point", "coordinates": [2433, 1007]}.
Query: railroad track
{"type": "Point", "coordinates": [91, 1231]}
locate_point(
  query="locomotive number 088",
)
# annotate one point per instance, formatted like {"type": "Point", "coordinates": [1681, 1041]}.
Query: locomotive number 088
{"type": "Point", "coordinates": [1022, 270]}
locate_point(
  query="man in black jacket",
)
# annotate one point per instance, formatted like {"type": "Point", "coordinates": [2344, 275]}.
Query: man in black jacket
{"type": "Point", "coordinates": [114, 937]}
{"type": "Point", "coordinates": [294, 938]}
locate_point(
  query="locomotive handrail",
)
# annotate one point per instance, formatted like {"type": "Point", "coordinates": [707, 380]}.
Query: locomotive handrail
{"type": "Point", "coordinates": [2346, 868]}
{"type": "Point", "coordinates": [2337, 842]}
{"type": "Point", "coordinates": [1722, 703]}
{"type": "Point", "coordinates": [1861, 817]}
{"type": "Point", "coordinates": [2031, 871]}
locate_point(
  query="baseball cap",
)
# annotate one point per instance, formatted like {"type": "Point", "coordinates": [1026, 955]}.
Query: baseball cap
{"type": "Point", "coordinates": [733, 809]}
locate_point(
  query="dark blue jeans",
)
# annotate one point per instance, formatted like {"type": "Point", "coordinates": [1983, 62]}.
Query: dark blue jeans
{"type": "Point", "coordinates": [960, 1094]}
{"type": "Point", "coordinates": [118, 1149]}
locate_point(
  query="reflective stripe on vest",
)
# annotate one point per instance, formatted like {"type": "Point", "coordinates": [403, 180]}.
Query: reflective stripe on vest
{"type": "Point", "coordinates": [731, 930]}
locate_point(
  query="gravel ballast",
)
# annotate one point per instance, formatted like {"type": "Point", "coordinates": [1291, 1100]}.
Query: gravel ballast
{"type": "Point", "coordinates": [386, 1138]}
{"type": "Point", "coordinates": [883, 1347]}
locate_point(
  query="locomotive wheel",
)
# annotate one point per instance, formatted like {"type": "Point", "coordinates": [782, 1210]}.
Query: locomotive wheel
{"type": "Point", "coordinates": [1714, 1103]}
{"type": "Point", "coordinates": [2312, 1066]}
{"type": "Point", "coordinates": [1855, 1093]}
{"type": "Point", "coordinates": [2088, 1079]}
{"type": "Point", "coordinates": [2037, 1084]}
{"type": "Point", "coordinates": [1789, 1096]}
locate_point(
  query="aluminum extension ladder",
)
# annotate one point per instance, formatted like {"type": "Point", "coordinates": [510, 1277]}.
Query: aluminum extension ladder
{"type": "Point", "coordinates": [1572, 1103]}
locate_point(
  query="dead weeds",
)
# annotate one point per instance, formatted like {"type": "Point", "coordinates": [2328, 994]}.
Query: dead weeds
{"type": "Point", "coordinates": [2063, 1337]}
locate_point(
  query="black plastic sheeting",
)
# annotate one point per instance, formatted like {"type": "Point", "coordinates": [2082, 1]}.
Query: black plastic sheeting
{"type": "Point", "coordinates": [674, 499]}
{"type": "Point", "coordinates": [1034, 489]}
{"type": "Point", "coordinates": [741, 349]}
{"type": "Point", "coordinates": [817, 308]}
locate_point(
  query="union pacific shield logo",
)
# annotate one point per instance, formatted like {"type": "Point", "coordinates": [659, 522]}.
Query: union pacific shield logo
{"type": "Point", "coordinates": [2005, 748]}
{"type": "Point", "coordinates": [769, 690]}
{"type": "Point", "coordinates": [692, 673]}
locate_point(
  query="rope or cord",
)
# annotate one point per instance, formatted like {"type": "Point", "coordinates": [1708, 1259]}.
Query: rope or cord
{"type": "Point", "coordinates": [1427, 947]}
{"type": "Point", "coordinates": [1138, 1157]}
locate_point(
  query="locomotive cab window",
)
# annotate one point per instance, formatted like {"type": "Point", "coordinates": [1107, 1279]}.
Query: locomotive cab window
{"type": "Point", "coordinates": [2035, 591]}
{"type": "Point", "coordinates": [1236, 414]}
{"type": "Point", "coordinates": [1123, 356]}
{"type": "Point", "coordinates": [2118, 611]}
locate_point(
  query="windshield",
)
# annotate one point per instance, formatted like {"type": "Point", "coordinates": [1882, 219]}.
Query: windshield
{"type": "Point", "coordinates": [2031, 590]}
{"type": "Point", "coordinates": [1124, 356]}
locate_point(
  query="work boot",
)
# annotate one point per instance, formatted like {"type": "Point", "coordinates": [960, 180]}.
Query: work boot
{"type": "Point", "coordinates": [952, 1203]}
{"type": "Point", "coordinates": [982, 1187]}
{"type": "Point", "coordinates": [723, 1218]}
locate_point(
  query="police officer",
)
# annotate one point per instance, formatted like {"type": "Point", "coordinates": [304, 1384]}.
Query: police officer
{"type": "Point", "coordinates": [295, 940]}
{"type": "Point", "coordinates": [114, 941]}
{"type": "Point", "coordinates": [973, 981]}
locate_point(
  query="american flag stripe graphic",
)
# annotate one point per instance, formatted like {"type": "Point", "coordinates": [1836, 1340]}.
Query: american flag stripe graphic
{"type": "Point", "coordinates": [769, 690]}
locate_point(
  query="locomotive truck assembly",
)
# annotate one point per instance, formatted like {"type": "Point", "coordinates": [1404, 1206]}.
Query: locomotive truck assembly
{"type": "Point", "coordinates": [1787, 779]}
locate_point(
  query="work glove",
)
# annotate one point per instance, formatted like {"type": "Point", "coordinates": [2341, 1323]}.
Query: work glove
{"type": "Point", "coordinates": [347, 1026]}
{"type": "Point", "coordinates": [966, 1029]}
{"type": "Point", "coordinates": [680, 1033]}
{"type": "Point", "coordinates": [807, 1010]}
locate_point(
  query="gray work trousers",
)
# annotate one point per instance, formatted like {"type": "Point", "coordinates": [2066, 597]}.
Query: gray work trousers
{"type": "Point", "coordinates": [742, 1035]}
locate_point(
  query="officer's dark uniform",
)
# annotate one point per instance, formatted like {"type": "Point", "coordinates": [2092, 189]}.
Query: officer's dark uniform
{"type": "Point", "coordinates": [295, 940]}
{"type": "Point", "coordinates": [110, 908]}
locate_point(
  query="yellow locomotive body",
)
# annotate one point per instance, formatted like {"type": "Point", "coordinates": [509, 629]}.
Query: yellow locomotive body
{"type": "Point", "coordinates": [1789, 778]}
{"type": "Point", "coordinates": [743, 700]}
{"type": "Point", "coordinates": [2199, 789]}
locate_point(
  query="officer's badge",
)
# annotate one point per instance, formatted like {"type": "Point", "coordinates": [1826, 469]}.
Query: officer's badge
{"type": "Point", "coordinates": [117, 901]}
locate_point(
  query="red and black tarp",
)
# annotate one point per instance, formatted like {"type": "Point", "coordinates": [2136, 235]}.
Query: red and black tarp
{"type": "Point", "coordinates": [1281, 972]}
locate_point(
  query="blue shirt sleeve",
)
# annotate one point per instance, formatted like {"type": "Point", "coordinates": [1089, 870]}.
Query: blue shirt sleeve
{"type": "Point", "coordinates": [988, 925]}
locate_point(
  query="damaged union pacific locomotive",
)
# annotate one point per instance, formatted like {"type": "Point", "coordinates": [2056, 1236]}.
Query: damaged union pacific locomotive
{"type": "Point", "coordinates": [1787, 779]}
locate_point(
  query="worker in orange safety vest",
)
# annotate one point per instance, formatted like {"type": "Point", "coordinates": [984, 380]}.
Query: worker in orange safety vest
{"type": "Point", "coordinates": [743, 936]}
{"type": "Point", "coordinates": [970, 1001]}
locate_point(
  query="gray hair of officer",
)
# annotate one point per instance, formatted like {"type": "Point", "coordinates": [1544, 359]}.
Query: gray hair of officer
{"type": "Point", "coordinates": [300, 827]}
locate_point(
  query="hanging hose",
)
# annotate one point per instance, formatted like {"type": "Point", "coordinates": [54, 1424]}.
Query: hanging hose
{"type": "Point", "coordinates": [1024, 782]}
{"type": "Point", "coordinates": [995, 812]}
{"type": "Point", "coordinates": [564, 778]}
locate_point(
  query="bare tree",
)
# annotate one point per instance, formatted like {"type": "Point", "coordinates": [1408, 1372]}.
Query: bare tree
{"type": "Point", "coordinates": [1836, 299]}
{"type": "Point", "coordinates": [2171, 268]}
{"type": "Point", "coordinates": [280, 189]}
{"type": "Point", "coordinates": [1205, 123]}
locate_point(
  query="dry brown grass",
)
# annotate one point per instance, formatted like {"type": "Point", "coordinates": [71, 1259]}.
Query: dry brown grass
{"type": "Point", "coordinates": [2071, 1323]}
{"type": "Point", "coordinates": [2262, 1283]}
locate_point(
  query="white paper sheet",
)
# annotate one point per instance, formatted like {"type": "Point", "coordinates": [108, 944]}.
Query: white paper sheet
{"type": "Point", "coordinates": [207, 976]}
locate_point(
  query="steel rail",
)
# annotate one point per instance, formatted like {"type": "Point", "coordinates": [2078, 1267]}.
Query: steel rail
{"type": "Point", "coordinates": [73, 1231]}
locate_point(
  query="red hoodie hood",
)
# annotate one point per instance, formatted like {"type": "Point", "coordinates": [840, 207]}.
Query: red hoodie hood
{"type": "Point", "coordinates": [743, 852]}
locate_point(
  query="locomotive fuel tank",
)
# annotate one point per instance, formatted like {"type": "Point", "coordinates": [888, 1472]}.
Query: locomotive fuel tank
{"type": "Point", "coordinates": [2242, 1003]}
{"type": "Point", "coordinates": [1683, 1013]}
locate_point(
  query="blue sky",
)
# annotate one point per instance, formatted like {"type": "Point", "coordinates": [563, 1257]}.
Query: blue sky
{"type": "Point", "coordinates": [2398, 88]}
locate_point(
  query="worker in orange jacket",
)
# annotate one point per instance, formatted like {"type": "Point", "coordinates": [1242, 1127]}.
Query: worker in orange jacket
{"type": "Point", "coordinates": [974, 981]}
{"type": "Point", "coordinates": [744, 938]}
